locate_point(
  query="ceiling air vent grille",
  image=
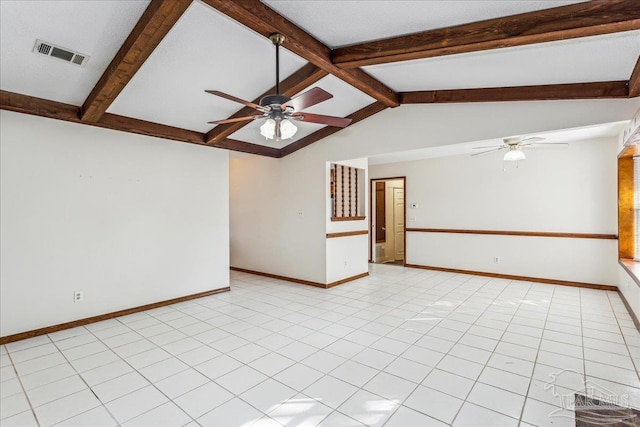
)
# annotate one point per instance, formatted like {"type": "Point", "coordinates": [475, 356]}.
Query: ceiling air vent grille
{"type": "Point", "coordinates": [78, 59]}
{"type": "Point", "coordinates": [61, 53]}
{"type": "Point", "coordinates": [44, 48]}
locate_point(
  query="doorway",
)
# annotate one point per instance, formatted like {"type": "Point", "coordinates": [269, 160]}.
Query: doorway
{"type": "Point", "coordinates": [387, 224]}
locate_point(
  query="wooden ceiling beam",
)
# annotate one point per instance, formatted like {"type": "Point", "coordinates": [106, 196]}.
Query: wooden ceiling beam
{"type": "Point", "coordinates": [297, 82]}
{"type": "Point", "coordinates": [143, 127]}
{"type": "Point", "coordinates": [70, 113]}
{"type": "Point", "coordinates": [586, 19]}
{"type": "Point", "coordinates": [258, 17]}
{"type": "Point", "coordinates": [359, 115]}
{"type": "Point", "coordinates": [57, 110]}
{"type": "Point", "coordinates": [602, 90]}
{"type": "Point", "coordinates": [19, 103]}
{"type": "Point", "coordinates": [156, 21]}
{"type": "Point", "coordinates": [634, 81]}
{"type": "Point", "coordinates": [247, 147]}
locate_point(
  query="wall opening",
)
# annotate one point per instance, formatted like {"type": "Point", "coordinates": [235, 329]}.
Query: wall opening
{"type": "Point", "coordinates": [388, 221]}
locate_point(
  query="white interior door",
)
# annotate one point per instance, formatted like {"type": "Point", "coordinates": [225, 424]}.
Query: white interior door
{"type": "Point", "coordinates": [392, 248]}
{"type": "Point", "coordinates": [390, 236]}
{"type": "Point", "coordinates": [398, 223]}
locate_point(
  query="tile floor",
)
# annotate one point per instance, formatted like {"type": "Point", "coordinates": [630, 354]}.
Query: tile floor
{"type": "Point", "coordinates": [403, 347]}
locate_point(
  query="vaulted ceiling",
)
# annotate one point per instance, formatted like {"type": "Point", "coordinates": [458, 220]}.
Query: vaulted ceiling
{"type": "Point", "coordinates": [150, 61]}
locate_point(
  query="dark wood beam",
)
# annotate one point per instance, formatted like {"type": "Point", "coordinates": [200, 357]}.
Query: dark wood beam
{"type": "Point", "coordinates": [258, 17]}
{"type": "Point", "coordinates": [247, 147]}
{"type": "Point", "coordinates": [12, 101]}
{"type": "Point", "coordinates": [142, 127]}
{"type": "Point", "coordinates": [298, 81]}
{"type": "Point", "coordinates": [634, 81]}
{"type": "Point", "coordinates": [359, 115]}
{"type": "Point", "coordinates": [519, 93]}
{"type": "Point", "coordinates": [71, 113]}
{"type": "Point", "coordinates": [586, 19]}
{"type": "Point", "coordinates": [155, 23]}
{"type": "Point", "coordinates": [56, 110]}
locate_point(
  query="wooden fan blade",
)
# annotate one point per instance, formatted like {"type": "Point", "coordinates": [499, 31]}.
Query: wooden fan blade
{"type": "Point", "coordinates": [488, 151]}
{"type": "Point", "coordinates": [237, 119]}
{"type": "Point", "coordinates": [323, 120]}
{"type": "Point", "coordinates": [233, 98]}
{"type": "Point", "coordinates": [311, 97]}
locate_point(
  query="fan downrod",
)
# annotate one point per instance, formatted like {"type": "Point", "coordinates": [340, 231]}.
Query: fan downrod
{"type": "Point", "coordinates": [276, 100]}
{"type": "Point", "coordinates": [277, 40]}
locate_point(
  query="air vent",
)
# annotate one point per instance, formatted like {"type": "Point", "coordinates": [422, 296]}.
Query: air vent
{"type": "Point", "coordinates": [44, 48]}
{"type": "Point", "coordinates": [78, 59]}
{"type": "Point", "coordinates": [61, 53]}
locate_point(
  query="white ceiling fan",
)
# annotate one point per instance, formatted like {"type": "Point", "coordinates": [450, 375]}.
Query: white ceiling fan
{"type": "Point", "coordinates": [514, 147]}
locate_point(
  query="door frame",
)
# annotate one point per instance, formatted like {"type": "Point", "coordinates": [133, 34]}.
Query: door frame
{"type": "Point", "coordinates": [372, 194]}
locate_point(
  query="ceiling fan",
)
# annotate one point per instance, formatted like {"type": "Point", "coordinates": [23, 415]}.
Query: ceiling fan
{"type": "Point", "coordinates": [280, 111]}
{"type": "Point", "coordinates": [514, 147]}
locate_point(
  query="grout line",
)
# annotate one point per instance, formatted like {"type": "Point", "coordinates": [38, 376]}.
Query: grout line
{"type": "Point", "coordinates": [535, 362]}
{"type": "Point", "coordinates": [24, 391]}
{"type": "Point", "coordinates": [493, 351]}
{"type": "Point", "coordinates": [584, 359]}
{"type": "Point", "coordinates": [624, 338]}
{"type": "Point", "coordinates": [84, 381]}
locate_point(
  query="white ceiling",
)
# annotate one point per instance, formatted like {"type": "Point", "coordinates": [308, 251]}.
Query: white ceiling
{"type": "Point", "coordinates": [344, 22]}
{"type": "Point", "coordinates": [96, 28]}
{"type": "Point", "coordinates": [204, 50]}
{"type": "Point", "coordinates": [570, 136]}
{"type": "Point", "coordinates": [207, 50]}
{"type": "Point", "coordinates": [589, 59]}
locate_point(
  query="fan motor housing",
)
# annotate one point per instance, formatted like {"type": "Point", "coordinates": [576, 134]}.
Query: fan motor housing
{"type": "Point", "coordinates": [274, 100]}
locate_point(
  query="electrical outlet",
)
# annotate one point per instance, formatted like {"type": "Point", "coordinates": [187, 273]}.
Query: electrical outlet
{"type": "Point", "coordinates": [496, 259]}
{"type": "Point", "coordinates": [77, 296]}
{"type": "Point", "coordinates": [300, 213]}
{"type": "Point", "coordinates": [412, 219]}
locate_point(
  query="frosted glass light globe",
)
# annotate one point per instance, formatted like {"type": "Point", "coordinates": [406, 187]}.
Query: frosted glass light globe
{"type": "Point", "coordinates": [268, 129]}
{"type": "Point", "coordinates": [287, 129]}
{"type": "Point", "coordinates": [514, 155]}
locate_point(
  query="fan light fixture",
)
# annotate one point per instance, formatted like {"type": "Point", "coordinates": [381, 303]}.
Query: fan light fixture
{"type": "Point", "coordinates": [269, 129]}
{"type": "Point", "coordinates": [514, 155]}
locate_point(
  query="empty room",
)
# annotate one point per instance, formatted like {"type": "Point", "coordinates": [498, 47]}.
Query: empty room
{"type": "Point", "coordinates": [320, 213]}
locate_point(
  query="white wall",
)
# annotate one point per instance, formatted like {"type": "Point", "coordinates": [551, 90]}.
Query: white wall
{"type": "Point", "coordinates": [565, 190]}
{"type": "Point", "coordinates": [418, 126]}
{"type": "Point", "coordinates": [346, 256]}
{"type": "Point", "coordinates": [267, 235]}
{"type": "Point", "coordinates": [127, 219]}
